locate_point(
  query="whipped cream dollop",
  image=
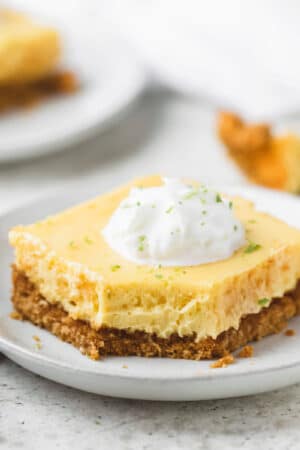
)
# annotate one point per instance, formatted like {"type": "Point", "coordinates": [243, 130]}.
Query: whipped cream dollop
{"type": "Point", "coordinates": [174, 224]}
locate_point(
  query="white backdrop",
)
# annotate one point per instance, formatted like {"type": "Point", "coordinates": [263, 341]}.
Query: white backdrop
{"type": "Point", "coordinates": [242, 55]}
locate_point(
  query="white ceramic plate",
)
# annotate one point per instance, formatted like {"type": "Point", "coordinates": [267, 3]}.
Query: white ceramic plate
{"type": "Point", "coordinates": [276, 362]}
{"type": "Point", "coordinates": [111, 80]}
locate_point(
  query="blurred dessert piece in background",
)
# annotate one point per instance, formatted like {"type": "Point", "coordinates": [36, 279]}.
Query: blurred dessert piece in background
{"type": "Point", "coordinates": [29, 57]}
{"type": "Point", "coordinates": [28, 52]}
{"type": "Point", "coordinates": [266, 159]}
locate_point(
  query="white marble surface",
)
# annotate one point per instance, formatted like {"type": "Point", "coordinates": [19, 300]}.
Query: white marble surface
{"type": "Point", "coordinates": [164, 134]}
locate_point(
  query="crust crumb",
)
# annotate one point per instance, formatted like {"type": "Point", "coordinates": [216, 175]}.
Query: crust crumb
{"type": "Point", "coordinates": [290, 332]}
{"type": "Point", "coordinates": [125, 366]}
{"type": "Point", "coordinates": [38, 342]}
{"type": "Point", "coordinates": [94, 353]}
{"type": "Point", "coordinates": [246, 352]}
{"type": "Point", "coordinates": [223, 362]}
{"type": "Point", "coordinates": [15, 315]}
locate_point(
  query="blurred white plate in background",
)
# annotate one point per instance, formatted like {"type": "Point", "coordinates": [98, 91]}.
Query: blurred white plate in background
{"type": "Point", "coordinates": [276, 361]}
{"type": "Point", "coordinates": [111, 80]}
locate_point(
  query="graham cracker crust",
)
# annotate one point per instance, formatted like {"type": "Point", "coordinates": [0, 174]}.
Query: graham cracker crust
{"type": "Point", "coordinates": [30, 94]}
{"type": "Point", "coordinates": [30, 305]}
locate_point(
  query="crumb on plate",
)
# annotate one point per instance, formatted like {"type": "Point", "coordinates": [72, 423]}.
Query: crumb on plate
{"type": "Point", "coordinates": [290, 332]}
{"type": "Point", "coordinates": [38, 341]}
{"type": "Point", "coordinates": [15, 315]}
{"type": "Point", "coordinates": [223, 362]}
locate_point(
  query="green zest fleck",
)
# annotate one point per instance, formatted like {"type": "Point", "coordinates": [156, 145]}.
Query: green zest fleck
{"type": "Point", "coordinates": [153, 206]}
{"type": "Point", "coordinates": [191, 194]}
{"type": "Point", "coordinates": [87, 240]}
{"type": "Point", "coordinates": [138, 203]}
{"type": "Point", "coordinates": [169, 210]}
{"type": "Point", "coordinates": [115, 267]}
{"type": "Point", "coordinates": [179, 270]}
{"type": "Point", "coordinates": [158, 275]}
{"type": "Point", "coordinates": [235, 227]}
{"type": "Point", "coordinates": [72, 244]}
{"type": "Point", "coordinates": [202, 224]}
{"type": "Point", "coordinates": [204, 212]}
{"type": "Point", "coordinates": [263, 301]}
{"type": "Point", "coordinates": [218, 198]}
{"type": "Point", "coordinates": [230, 204]}
{"type": "Point", "coordinates": [141, 246]}
{"type": "Point", "coordinates": [203, 201]}
{"type": "Point", "coordinates": [252, 247]}
{"type": "Point", "coordinates": [252, 221]}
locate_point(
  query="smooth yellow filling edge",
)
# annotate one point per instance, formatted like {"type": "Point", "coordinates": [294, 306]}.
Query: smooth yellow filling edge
{"type": "Point", "coordinates": [84, 294]}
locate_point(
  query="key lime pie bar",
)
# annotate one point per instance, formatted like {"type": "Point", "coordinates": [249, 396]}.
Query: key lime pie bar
{"type": "Point", "coordinates": [29, 59]}
{"type": "Point", "coordinates": [158, 268]}
{"type": "Point", "coordinates": [266, 158]}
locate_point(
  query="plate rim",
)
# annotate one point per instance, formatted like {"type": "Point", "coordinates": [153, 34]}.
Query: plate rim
{"type": "Point", "coordinates": [36, 149]}
{"type": "Point", "coordinates": [6, 345]}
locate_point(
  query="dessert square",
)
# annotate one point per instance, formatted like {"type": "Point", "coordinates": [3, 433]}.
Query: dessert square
{"type": "Point", "coordinates": [28, 52]}
{"type": "Point", "coordinates": [29, 57]}
{"type": "Point", "coordinates": [68, 280]}
{"type": "Point", "coordinates": [266, 158]}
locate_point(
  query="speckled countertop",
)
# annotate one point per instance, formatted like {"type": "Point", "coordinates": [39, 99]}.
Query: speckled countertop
{"type": "Point", "coordinates": [39, 414]}
{"type": "Point", "coordinates": [36, 414]}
